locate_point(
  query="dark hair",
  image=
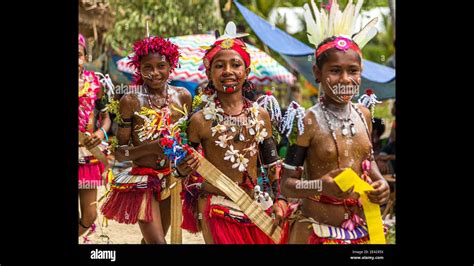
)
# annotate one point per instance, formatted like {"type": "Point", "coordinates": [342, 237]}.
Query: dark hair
{"type": "Point", "coordinates": [322, 58]}
{"type": "Point", "coordinates": [379, 126]}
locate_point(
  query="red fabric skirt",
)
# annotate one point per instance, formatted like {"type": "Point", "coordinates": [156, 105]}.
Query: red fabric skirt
{"type": "Point", "coordinates": [229, 229]}
{"type": "Point", "coordinates": [90, 175]}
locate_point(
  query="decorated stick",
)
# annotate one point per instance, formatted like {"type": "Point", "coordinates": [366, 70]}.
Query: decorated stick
{"type": "Point", "coordinates": [95, 151]}
{"type": "Point", "coordinates": [176, 212]}
{"type": "Point", "coordinates": [251, 208]}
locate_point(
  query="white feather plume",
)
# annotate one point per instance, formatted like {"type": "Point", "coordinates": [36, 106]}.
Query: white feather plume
{"type": "Point", "coordinates": [367, 33]}
{"type": "Point", "coordinates": [321, 25]}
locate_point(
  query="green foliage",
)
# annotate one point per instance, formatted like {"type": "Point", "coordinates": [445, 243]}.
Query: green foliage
{"type": "Point", "coordinates": [113, 143]}
{"type": "Point", "coordinates": [113, 108]}
{"type": "Point", "coordinates": [391, 237]}
{"type": "Point", "coordinates": [384, 110]}
{"type": "Point", "coordinates": [166, 18]}
{"type": "Point", "coordinates": [294, 133]}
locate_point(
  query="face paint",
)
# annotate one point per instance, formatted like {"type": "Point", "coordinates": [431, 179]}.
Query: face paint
{"type": "Point", "coordinates": [232, 88]}
{"type": "Point", "coordinates": [344, 93]}
{"type": "Point", "coordinates": [147, 76]}
{"type": "Point", "coordinates": [229, 89]}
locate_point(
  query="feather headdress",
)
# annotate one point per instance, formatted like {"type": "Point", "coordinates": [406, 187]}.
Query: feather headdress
{"type": "Point", "coordinates": [339, 24]}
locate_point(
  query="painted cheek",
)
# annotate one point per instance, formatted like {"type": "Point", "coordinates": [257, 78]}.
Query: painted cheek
{"type": "Point", "coordinates": [328, 80]}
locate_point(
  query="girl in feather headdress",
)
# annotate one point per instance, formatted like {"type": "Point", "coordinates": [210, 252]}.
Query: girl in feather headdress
{"type": "Point", "coordinates": [337, 135]}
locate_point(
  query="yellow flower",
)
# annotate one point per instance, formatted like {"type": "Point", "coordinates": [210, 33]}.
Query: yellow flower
{"type": "Point", "coordinates": [228, 43]}
{"type": "Point", "coordinates": [218, 129]}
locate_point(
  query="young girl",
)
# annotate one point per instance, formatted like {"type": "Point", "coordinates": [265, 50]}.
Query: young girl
{"type": "Point", "coordinates": [90, 169]}
{"type": "Point", "coordinates": [235, 135]}
{"type": "Point", "coordinates": [337, 135]}
{"type": "Point", "coordinates": [149, 113]}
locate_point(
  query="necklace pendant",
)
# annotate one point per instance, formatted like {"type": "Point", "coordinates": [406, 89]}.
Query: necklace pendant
{"type": "Point", "coordinates": [353, 130]}
{"type": "Point", "coordinates": [236, 138]}
{"type": "Point", "coordinates": [344, 130]}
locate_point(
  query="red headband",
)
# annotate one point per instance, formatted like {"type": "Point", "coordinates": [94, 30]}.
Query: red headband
{"type": "Point", "coordinates": [234, 44]}
{"type": "Point", "coordinates": [340, 43]}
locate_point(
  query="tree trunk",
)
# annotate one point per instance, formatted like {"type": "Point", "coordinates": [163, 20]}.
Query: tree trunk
{"type": "Point", "coordinates": [391, 5]}
{"type": "Point", "coordinates": [218, 9]}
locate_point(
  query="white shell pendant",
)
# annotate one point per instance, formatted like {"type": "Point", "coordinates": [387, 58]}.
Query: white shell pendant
{"type": "Point", "coordinates": [344, 130]}
{"type": "Point", "coordinates": [353, 130]}
{"type": "Point", "coordinates": [251, 131]}
{"type": "Point", "coordinates": [262, 198]}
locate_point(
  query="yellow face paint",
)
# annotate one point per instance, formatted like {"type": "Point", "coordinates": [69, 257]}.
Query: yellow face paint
{"type": "Point", "coordinates": [347, 179]}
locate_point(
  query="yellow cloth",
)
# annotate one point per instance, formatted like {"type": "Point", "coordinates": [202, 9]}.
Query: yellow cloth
{"type": "Point", "coordinates": [345, 181]}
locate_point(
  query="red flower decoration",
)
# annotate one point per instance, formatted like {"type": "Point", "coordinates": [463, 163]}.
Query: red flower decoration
{"type": "Point", "coordinates": [149, 45]}
{"type": "Point", "coordinates": [342, 43]}
{"type": "Point", "coordinates": [165, 142]}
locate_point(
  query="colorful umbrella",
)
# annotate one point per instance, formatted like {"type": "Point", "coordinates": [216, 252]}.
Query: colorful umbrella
{"type": "Point", "coordinates": [264, 69]}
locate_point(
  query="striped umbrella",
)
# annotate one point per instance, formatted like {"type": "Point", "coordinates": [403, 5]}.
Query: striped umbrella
{"type": "Point", "coordinates": [264, 69]}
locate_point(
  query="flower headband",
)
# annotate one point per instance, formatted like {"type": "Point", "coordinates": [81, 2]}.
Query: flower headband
{"type": "Point", "coordinates": [340, 43]}
{"type": "Point", "coordinates": [234, 44]}
{"type": "Point", "coordinates": [229, 40]}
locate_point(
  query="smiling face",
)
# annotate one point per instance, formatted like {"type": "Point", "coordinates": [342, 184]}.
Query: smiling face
{"type": "Point", "coordinates": [155, 70]}
{"type": "Point", "coordinates": [228, 71]}
{"type": "Point", "coordinates": [340, 75]}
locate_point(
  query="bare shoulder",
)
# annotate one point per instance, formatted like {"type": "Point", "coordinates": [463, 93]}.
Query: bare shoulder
{"type": "Point", "coordinates": [366, 112]}
{"type": "Point", "coordinates": [197, 119]}
{"type": "Point", "coordinates": [263, 113]}
{"type": "Point", "coordinates": [309, 120]}
{"type": "Point", "coordinates": [182, 92]}
{"type": "Point", "coordinates": [197, 127]}
{"type": "Point", "coordinates": [129, 102]}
